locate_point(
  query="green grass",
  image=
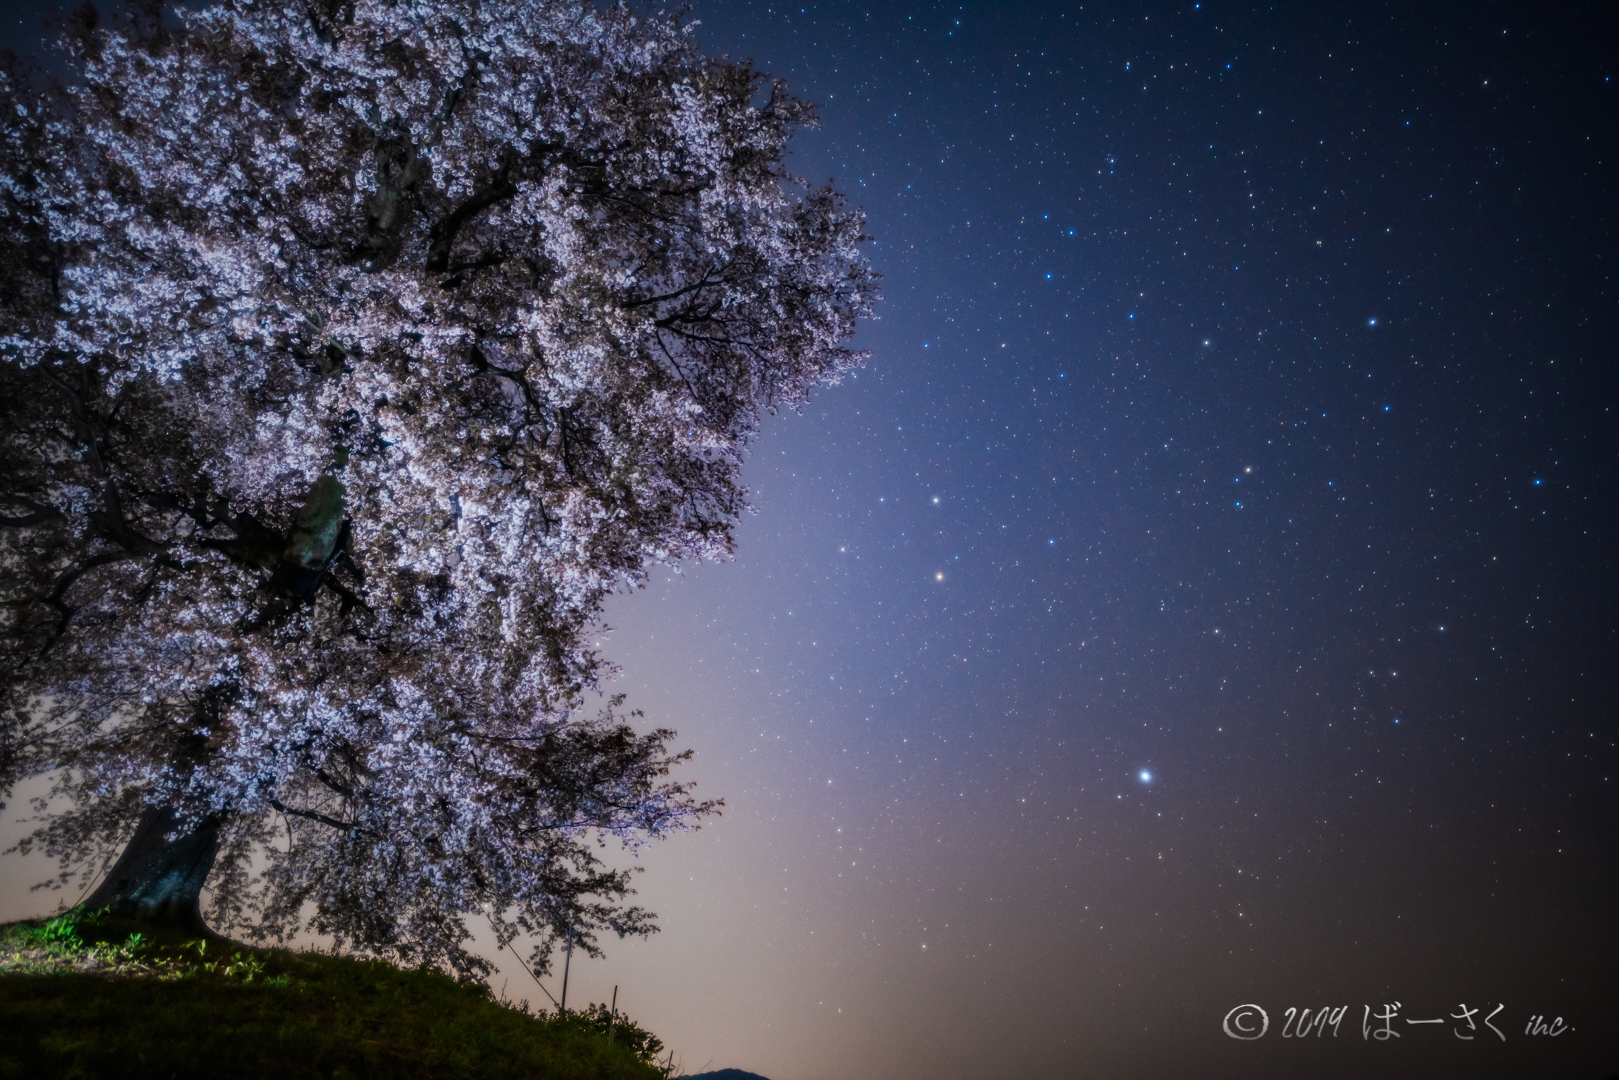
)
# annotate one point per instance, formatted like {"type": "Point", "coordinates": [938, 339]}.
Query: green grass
{"type": "Point", "coordinates": [95, 997]}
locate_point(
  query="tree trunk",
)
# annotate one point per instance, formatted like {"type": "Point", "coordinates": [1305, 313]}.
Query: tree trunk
{"type": "Point", "coordinates": [158, 880]}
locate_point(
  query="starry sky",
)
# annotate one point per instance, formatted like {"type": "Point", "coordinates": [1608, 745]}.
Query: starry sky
{"type": "Point", "coordinates": [1206, 594]}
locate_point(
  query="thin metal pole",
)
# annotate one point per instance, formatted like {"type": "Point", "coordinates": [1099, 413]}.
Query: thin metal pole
{"type": "Point", "coordinates": [612, 1015]}
{"type": "Point", "coordinates": [566, 963]}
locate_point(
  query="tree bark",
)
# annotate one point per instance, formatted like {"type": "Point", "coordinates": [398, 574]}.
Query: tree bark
{"type": "Point", "coordinates": [158, 880]}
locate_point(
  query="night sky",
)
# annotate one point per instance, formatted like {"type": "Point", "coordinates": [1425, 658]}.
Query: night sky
{"type": "Point", "coordinates": [1205, 596]}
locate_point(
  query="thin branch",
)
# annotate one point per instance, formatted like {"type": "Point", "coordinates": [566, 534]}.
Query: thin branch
{"type": "Point", "coordinates": [312, 815]}
{"type": "Point", "coordinates": [703, 283]}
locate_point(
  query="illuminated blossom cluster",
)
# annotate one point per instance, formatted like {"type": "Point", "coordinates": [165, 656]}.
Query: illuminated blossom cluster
{"type": "Point", "coordinates": [351, 353]}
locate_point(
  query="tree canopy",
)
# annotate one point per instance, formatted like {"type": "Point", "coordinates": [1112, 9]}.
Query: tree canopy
{"type": "Point", "coordinates": [351, 353]}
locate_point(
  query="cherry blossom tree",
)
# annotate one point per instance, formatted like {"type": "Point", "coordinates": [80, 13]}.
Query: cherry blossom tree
{"type": "Point", "coordinates": [351, 353]}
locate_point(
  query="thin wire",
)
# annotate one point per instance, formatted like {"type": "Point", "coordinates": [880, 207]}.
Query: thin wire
{"type": "Point", "coordinates": [522, 965]}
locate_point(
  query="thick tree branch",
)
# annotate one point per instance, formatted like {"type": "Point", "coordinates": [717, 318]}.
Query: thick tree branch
{"type": "Point", "coordinates": [41, 513]}
{"type": "Point", "coordinates": [442, 235]}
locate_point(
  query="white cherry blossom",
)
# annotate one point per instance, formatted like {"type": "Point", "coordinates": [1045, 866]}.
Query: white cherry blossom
{"type": "Point", "coordinates": [351, 353]}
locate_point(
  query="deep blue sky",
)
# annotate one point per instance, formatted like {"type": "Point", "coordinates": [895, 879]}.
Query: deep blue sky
{"type": "Point", "coordinates": [1241, 412]}
{"type": "Point", "coordinates": [1261, 365]}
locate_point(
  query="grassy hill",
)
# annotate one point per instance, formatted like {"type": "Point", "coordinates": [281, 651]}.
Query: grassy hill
{"type": "Point", "coordinates": [88, 997]}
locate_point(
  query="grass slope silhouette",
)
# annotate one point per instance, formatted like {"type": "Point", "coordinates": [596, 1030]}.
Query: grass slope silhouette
{"type": "Point", "coordinates": [89, 996]}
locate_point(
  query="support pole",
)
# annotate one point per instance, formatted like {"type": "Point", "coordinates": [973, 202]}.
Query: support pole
{"type": "Point", "coordinates": [566, 963]}
{"type": "Point", "coordinates": [613, 1015]}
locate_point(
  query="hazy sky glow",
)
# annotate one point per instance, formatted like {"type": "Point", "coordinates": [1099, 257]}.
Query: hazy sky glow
{"type": "Point", "coordinates": [1205, 597]}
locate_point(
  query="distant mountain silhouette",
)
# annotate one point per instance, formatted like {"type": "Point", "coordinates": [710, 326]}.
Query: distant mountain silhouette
{"type": "Point", "coordinates": [725, 1074]}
